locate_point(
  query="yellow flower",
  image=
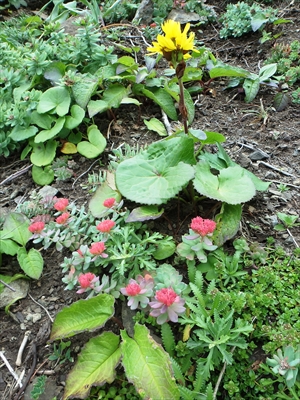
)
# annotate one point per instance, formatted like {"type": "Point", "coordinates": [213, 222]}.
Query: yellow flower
{"type": "Point", "coordinates": [175, 45]}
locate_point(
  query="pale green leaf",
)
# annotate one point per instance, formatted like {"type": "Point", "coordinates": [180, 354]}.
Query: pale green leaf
{"type": "Point", "coordinates": [31, 263]}
{"type": "Point", "coordinates": [8, 246]}
{"type": "Point", "coordinates": [84, 88]}
{"type": "Point", "coordinates": [251, 87]}
{"type": "Point", "coordinates": [21, 133]}
{"type": "Point", "coordinates": [231, 185]}
{"type": "Point", "coordinates": [84, 315]}
{"type": "Point", "coordinates": [55, 99]}
{"type": "Point", "coordinates": [148, 366]}
{"type": "Point", "coordinates": [43, 154]}
{"type": "Point", "coordinates": [95, 366]}
{"type": "Point", "coordinates": [157, 126]}
{"type": "Point", "coordinates": [103, 192]}
{"type": "Point", "coordinates": [16, 225]}
{"type": "Point", "coordinates": [76, 117]}
{"type": "Point", "coordinates": [228, 222]}
{"type": "Point", "coordinates": [144, 213]}
{"type": "Point", "coordinates": [48, 134]}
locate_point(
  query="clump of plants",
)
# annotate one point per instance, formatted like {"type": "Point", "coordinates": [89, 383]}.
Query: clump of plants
{"type": "Point", "coordinates": [242, 18]}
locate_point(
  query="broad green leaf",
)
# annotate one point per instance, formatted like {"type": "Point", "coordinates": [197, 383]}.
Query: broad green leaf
{"type": "Point", "coordinates": [130, 100]}
{"type": "Point", "coordinates": [55, 71]}
{"type": "Point", "coordinates": [163, 99]}
{"type": "Point", "coordinates": [9, 279]}
{"type": "Point", "coordinates": [42, 176]}
{"type": "Point", "coordinates": [228, 222]}
{"type": "Point", "coordinates": [156, 125]}
{"type": "Point", "coordinates": [31, 263]}
{"type": "Point", "coordinates": [231, 185]}
{"type": "Point", "coordinates": [258, 21]}
{"type": "Point", "coordinates": [16, 225]}
{"type": "Point", "coordinates": [44, 121]}
{"type": "Point", "coordinates": [104, 192]}
{"type": "Point", "coordinates": [83, 89]}
{"type": "Point", "coordinates": [198, 134]}
{"type": "Point", "coordinates": [114, 94]}
{"type": "Point", "coordinates": [251, 87]}
{"type": "Point", "coordinates": [144, 213]}
{"type": "Point", "coordinates": [164, 249]}
{"type": "Point", "coordinates": [213, 137]}
{"type": "Point", "coordinates": [55, 99]}
{"type": "Point", "coordinates": [148, 366]}
{"type": "Point", "coordinates": [221, 69]}
{"type": "Point", "coordinates": [8, 246]}
{"type": "Point", "coordinates": [267, 71]}
{"type": "Point", "coordinates": [281, 101]}
{"type": "Point", "coordinates": [21, 133]}
{"type": "Point", "coordinates": [43, 154]}
{"type": "Point", "coordinates": [76, 117]}
{"type": "Point", "coordinates": [97, 106]}
{"type": "Point", "coordinates": [84, 315]}
{"type": "Point", "coordinates": [95, 366]}
{"type": "Point", "coordinates": [96, 144]}
{"type": "Point", "coordinates": [48, 134]}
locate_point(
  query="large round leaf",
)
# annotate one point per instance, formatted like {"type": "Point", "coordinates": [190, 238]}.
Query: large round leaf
{"type": "Point", "coordinates": [231, 185]}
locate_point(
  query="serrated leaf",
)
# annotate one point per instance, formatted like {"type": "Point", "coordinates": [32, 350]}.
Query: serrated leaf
{"type": "Point", "coordinates": [158, 173]}
{"type": "Point", "coordinates": [83, 89]}
{"type": "Point", "coordinates": [96, 365]}
{"type": "Point", "coordinates": [232, 185]}
{"type": "Point", "coordinates": [16, 225]}
{"type": "Point", "coordinates": [84, 315]}
{"type": "Point", "coordinates": [228, 222]}
{"type": "Point", "coordinates": [31, 263]}
{"type": "Point", "coordinates": [148, 366]}
{"type": "Point", "coordinates": [56, 99]}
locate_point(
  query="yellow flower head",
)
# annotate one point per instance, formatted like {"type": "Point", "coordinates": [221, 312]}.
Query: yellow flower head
{"type": "Point", "coordinates": [175, 44]}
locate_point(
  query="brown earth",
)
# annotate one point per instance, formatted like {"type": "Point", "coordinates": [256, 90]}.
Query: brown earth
{"type": "Point", "coordinates": [276, 140]}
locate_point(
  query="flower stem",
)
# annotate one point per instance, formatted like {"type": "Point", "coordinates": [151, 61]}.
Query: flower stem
{"type": "Point", "coordinates": [182, 107]}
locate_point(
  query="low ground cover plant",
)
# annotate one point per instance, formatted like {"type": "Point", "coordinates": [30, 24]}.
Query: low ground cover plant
{"type": "Point", "coordinates": [212, 306]}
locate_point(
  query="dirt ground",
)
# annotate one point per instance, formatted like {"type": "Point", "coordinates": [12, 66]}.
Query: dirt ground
{"type": "Point", "coordinates": [275, 142]}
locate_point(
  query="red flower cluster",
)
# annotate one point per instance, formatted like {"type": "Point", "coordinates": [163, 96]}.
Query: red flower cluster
{"type": "Point", "coordinates": [36, 227]}
{"type": "Point", "coordinates": [105, 226]}
{"type": "Point", "coordinates": [203, 226]}
{"type": "Point", "coordinates": [166, 296]}
{"type": "Point", "coordinates": [63, 218]}
{"type": "Point", "coordinates": [110, 202]}
{"type": "Point", "coordinates": [97, 248]}
{"type": "Point", "coordinates": [133, 288]}
{"type": "Point", "coordinates": [85, 280]}
{"type": "Point", "coordinates": [61, 204]}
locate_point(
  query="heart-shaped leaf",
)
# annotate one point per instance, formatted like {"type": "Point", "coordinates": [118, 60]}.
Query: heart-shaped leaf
{"type": "Point", "coordinates": [76, 117]}
{"type": "Point", "coordinates": [31, 263]}
{"type": "Point", "coordinates": [21, 133]}
{"type": "Point", "coordinates": [48, 134]}
{"type": "Point", "coordinates": [42, 176]}
{"type": "Point", "coordinates": [96, 144]}
{"type": "Point", "coordinates": [43, 154]}
{"type": "Point", "coordinates": [55, 99]}
{"type": "Point", "coordinates": [231, 185]}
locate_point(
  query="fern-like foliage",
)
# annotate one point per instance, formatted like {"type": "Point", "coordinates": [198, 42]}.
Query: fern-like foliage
{"type": "Point", "coordinates": [168, 338]}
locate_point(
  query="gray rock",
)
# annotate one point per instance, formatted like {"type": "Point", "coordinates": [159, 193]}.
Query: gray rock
{"type": "Point", "coordinates": [8, 296]}
{"type": "Point", "coordinates": [258, 155]}
{"type": "Point", "coordinates": [183, 17]}
{"type": "Point", "coordinates": [144, 13]}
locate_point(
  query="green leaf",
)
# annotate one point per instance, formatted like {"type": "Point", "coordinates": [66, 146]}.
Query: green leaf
{"type": "Point", "coordinates": [8, 246]}
{"type": "Point", "coordinates": [144, 213]}
{"type": "Point", "coordinates": [267, 71]}
{"type": "Point", "coordinates": [281, 101]}
{"type": "Point", "coordinates": [148, 366]}
{"type": "Point", "coordinates": [16, 225]}
{"type": "Point", "coordinates": [42, 176]}
{"type": "Point", "coordinates": [56, 99]}
{"type": "Point", "coordinates": [213, 137]}
{"type": "Point", "coordinates": [157, 174]}
{"type": "Point", "coordinates": [9, 279]}
{"type": "Point", "coordinates": [104, 192]}
{"type": "Point", "coordinates": [157, 126]}
{"type": "Point", "coordinates": [164, 249]}
{"type": "Point", "coordinates": [76, 117]}
{"type": "Point", "coordinates": [44, 121]}
{"type": "Point", "coordinates": [31, 263]}
{"type": "Point", "coordinates": [48, 134]}
{"type": "Point", "coordinates": [43, 154]}
{"type": "Point", "coordinates": [21, 133]}
{"type": "Point", "coordinates": [96, 365]}
{"type": "Point", "coordinates": [84, 88]}
{"type": "Point", "coordinates": [84, 315]}
{"type": "Point", "coordinates": [232, 185]}
{"type": "Point", "coordinates": [55, 71]}
{"type": "Point", "coordinates": [221, 69]}
{"type": "Point", "coordinates": [251, 87]}
{"type": "Point", "coordinates": [97, 106]}
{"type": "Point", "coordinates": [163, 99]}
{"type": "Point", "coordinates": [228, 222]}
{"type": "Point", "coordinates": [189, 103]}
{"type": "Point", "coordinates": [96, 144]}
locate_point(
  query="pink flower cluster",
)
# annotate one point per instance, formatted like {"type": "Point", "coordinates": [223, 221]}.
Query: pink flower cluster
{"type": "Point", "coordinates": [97, 249]}
{"type": "Point", "coordinates": [61, 204]}
{"type": "Point", "coordinates": [106, 226]}
{"type": "Point", "coordinates": [110, 202]}
{"type": "Point", "coordinates": [36, 227]}
{"type": "Point", "coordinates": [166, 305]}
{"type": "Point", "coordinates": [87, 281]}
{"type": "Point", "coordinates": [203, 226]}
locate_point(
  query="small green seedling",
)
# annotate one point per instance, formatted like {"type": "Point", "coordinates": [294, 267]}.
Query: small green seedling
{"type": "Point", "coordinates": [288, 221]}
{"type": "Point", "coordinates": [59, 355]}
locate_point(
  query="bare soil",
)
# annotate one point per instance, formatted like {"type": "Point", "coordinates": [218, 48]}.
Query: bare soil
{"type": "Point", "coordinates": [276, 141]}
